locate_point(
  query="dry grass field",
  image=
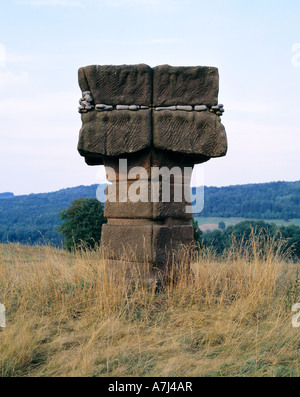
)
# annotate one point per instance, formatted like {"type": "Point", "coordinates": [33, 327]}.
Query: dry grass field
{"type": "Point", "coordinates": [67, 315]}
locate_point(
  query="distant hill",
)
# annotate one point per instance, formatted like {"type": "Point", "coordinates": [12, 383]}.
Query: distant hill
{"type": "Point", "coordinates": [6, 195]}
{"type": "Point", "coordinates": [275, 200]}
{"type": "Point", "coordinates": [33, 218]}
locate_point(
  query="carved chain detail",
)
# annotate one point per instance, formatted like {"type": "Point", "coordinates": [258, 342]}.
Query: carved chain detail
{"type": "Point", "coordinates": [86, 105]}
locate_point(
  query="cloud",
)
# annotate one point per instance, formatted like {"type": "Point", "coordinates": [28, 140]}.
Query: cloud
{"type": "Point", "coordinates": [45, 3]}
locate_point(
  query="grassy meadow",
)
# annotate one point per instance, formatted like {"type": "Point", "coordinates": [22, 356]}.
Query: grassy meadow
{"type": "Point", "coordinates": [69, 314]}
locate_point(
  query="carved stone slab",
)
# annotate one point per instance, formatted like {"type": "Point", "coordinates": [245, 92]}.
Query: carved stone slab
{"type": "Point", "coordinates": [153, 117]}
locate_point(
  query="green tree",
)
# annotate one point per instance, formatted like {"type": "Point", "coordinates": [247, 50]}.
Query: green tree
{"type": "Point", "coordinates": [197, 230]}
{"type": "Point", "coordinates": [222, 225]}
{"type": "Point", "coordinates": [221, 240]}
{"type": "Point", "coordinates": [82, 223]}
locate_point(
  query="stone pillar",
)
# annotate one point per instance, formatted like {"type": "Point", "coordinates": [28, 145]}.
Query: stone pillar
{"type": "Point", "coordinates": [136, 116]}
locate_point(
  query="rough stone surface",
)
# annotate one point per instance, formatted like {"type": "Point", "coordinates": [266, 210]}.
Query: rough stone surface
{"type": "Point", "coordinates": [201, 108]}
{"type": "Point", "coordinates": [197, 133]}
{"type": "Point", "coordinates": [117, 85]}
{"type": "Point", "coordinates": [178, 85]}
{"type": "Point", "coordinates": [144, 208]}
{"type": "Point", "coordinates": [152, 118]}
{"type": "Point", "coordinates": [131, 242]}
{"type": "Point", "coordinates": [145, 243]}
{"type": "Point", "coordinates": [185, 108]}
{"type": "Point", "coordinates": [168, 239]}
{"type": "Point", "coordinates": [147, 160]}
{"type": "Point", "coordinates": [113, 133]}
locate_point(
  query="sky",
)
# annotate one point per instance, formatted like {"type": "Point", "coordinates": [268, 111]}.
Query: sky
{"type": "Point", "coordinates": [255, 45]}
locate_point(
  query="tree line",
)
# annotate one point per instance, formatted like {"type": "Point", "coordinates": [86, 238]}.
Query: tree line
{"type": "Point", "coordinates": [219, 241]}
{"type": "Point", "coordinates": [34, 218]}
{"type": "Point", "coordinates": [83, 220]}
{"type": "Point", "coordinates": [275, 200]}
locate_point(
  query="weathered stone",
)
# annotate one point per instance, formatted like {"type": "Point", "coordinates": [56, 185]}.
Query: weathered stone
{"type": "Point", "coordinates": [152, 119]}
{"type": "Point", "coordinates": [189, 133]}
{"type": "Point", "coordinates": [177, 85]}
{"type": "Point", "coordinates": [185, 108]}
{"type": "Point", "coordinates": [127, 132]}
{"type": "Point", "coordinates": [159, 108]}
{"type": "Point", "coordinates": [146, 160]}
{"type": "Point", "coordinates": [87, 96]}
{"type": "Point", "coordinates": [167, 240]}
{"type": "Point", "coordinates": [119, 204]}
{"type": "Point", "coordinates": [144, 242]}
{"type": "Point", "coordinates": [91, 137]}
{"type": "Point", "coordinates": [103, 107]}
{"type": "Point", "coordinates": [112, 133]}
{"type": "Point", "coordinates": [129, 241]}
{"type": "Point", "coordinates": [133, 107]}
{"type": "Point", "coordinates": [118, 85]}
{"type": "Point", "coordinates": [201, 108]}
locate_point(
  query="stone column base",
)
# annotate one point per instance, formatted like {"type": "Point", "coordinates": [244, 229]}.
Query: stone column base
{"type": "Point", "coordinates": [145, 242]}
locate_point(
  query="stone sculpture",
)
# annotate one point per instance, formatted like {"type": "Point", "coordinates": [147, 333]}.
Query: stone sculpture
{"type": "Point", "coordinates": [152, 118]}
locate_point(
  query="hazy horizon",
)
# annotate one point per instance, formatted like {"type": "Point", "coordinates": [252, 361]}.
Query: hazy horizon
{"type": "Point", "coordinates": [72, 187]}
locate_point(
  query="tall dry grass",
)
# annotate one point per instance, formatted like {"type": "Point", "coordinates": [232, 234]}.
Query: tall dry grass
{"type": "Point", "coordinates": [70, 314]}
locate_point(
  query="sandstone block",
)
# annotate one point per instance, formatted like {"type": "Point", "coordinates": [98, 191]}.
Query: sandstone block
{"type": "Point", "coordinates": [165, 118]}
{"type": "Point", "coordinates": [133, 243]}
{"type": "Point", "coordinates": [119, 205]}
{"type": "Point", "coordinates": [166, 240]}
{"type": "Point", "coordinates": [127, 131]}
{"type": "Point", "coordinates": [113, 133]}
{"type": "Point", "coordinates": [145, 243]}
{"type": "Point", "coordinates": [117, 85]}
{"type": "Point", "coordinates": [194, 133]}
{"type": "Point", "coordinates": [91, 136]}
{"type": "Point", "coordinates": [147, 160]}
{"type": "Point", "coordinates": [178, 85]}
